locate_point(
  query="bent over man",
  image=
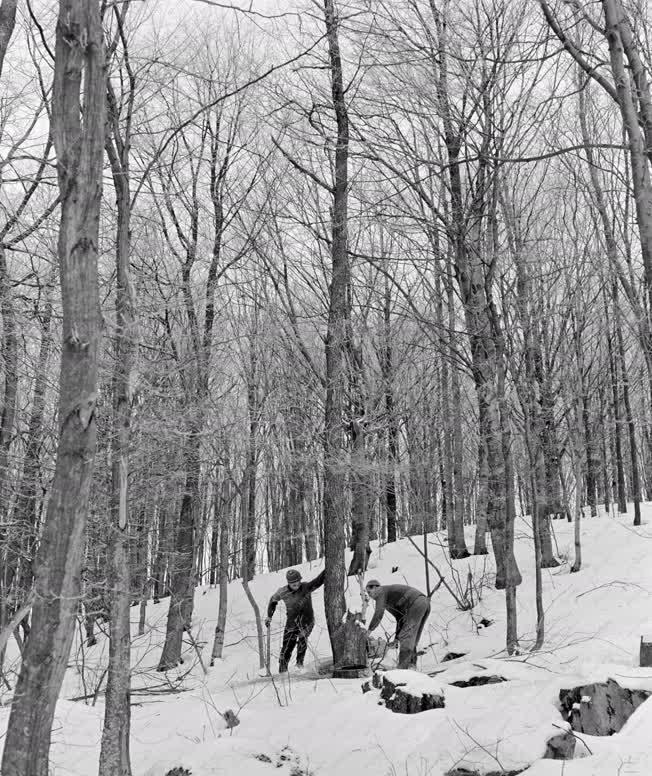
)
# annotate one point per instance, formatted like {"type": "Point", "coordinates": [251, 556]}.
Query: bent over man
{"type": "Point", "coordinates": [410, 607]}
{"type": "Point", "coordinates": [300, 620]}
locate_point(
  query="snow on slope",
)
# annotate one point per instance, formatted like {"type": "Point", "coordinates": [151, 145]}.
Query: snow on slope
{"type": "Point", "coordinates": [311, 724]}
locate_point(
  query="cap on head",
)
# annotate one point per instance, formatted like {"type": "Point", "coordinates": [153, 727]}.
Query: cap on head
{"type": "Point", "coordinates": [373, 583]}
{"type": "Point", "coordinates": [293, 576]}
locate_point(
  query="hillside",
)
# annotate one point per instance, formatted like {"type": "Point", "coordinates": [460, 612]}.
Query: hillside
{"type": "Point", "coordinates": [311, 724]}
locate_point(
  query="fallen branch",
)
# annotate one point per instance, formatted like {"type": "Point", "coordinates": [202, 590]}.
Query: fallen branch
{"type": "Point", "coordinates": [197, 650]}
{"type": "Point", "coordinates": [161, 689]}
{"type": "Point", "coordinates": [616, 582]}
{"type": "Point", "coordinates": [463, 606]}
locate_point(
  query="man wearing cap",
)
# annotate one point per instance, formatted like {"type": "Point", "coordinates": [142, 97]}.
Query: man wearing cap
{"type": "Point", "coordinates": [300, 618]}
{"type": "Point", "coordinates": [410, 607]}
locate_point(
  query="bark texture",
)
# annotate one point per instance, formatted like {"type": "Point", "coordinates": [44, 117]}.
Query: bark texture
{"type": "Point", "coordinates": [79, 143]}
{"type": "Point", "coordinates": [336, 378]}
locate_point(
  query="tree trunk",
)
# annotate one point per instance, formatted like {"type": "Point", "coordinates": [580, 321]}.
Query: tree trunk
{"type": "Point", "coordinates": [258, 620]}
{"type": "Point", "coordinates": [512, 573]}
{"type": "Point", "coordinates": [182, 586]}
{"type": "Point", "coordinates": [336, 379]}
{"type": "Point", "coordinates": [248, 501]}
{"type": "Point", "coordinates": [538, 643]}
{"type": "Point", "coordinates": [417, 493]}
{"type": "Point", "coordinates": [577, 563]}
{"type": "Point", "coordinates": [224, 511]}
{"type": "Point", "coordinates": [511, 618]}
{"type": "Point", "coordinates": [114, 752]}
{"type": "Point", "coordinates": [7, 24]}
{"type": "Point", "coordinates": [360, 476]}
{"type": "Point", "coordinates": [309, 527]}
{"type": "Point", "coordinates": [446, 455]}
{"type": "Point", "coordinates": [277, 524]}
{"type": "Point", "coordinates": [360, 487]}
{"type": "Point", "coordinates": [618, 426]}
{"type": "Point", "coordinates": [11, 539]}
{"type": "Point", "coordinates": [606, 480]}
{"type": "Point", "coordinates": [215, 536]}
{"type": "Point", "coordinates": [576, 457]}
{"type": "Point", "coordinates": [160, 560]}
{"type": "Point", "coordinates": [591, 479]}
{"type": "Point", "coordinates": [619, 38]}
{"type": "Point", "coordinates": [629, 416]}
{"type": "Point", "coordinates": [480, 545]}
{"type": "Point", "coordinates": [391, 424]}
{"type": "Point", "coordinates": [79, 56]}
{"type": "Point", "coordinates": [10, 359]}
{"type": "Point", "coordinates": [457, 547]}
{"type": "Point", "coordinates": [296, 487]}
{"type": "Point", "coordinates": [483, 330]}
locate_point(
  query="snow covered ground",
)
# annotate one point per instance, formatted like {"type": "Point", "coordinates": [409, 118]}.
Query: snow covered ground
{"type": "Point", "coordinates": [311, 724]}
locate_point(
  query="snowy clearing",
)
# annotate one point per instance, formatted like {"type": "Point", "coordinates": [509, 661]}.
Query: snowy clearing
{"type": "Point", "coordinates": [311, 724]}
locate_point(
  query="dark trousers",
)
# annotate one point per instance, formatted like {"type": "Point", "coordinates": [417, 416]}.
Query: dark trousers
{"type": "Point", "coordinates": [296, 634]}
{"type": "Point", "coordinates": [410, 630]}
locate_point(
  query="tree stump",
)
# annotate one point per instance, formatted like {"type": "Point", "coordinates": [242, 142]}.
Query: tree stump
{"type": "Point", "coordinates": [408, 692]}
{"type": "Point", "coordinates": [350, 644]}
{"type": "Point", "coordinates": [600, 709]}
{"type": "Point", "coordinates": [560, 747]}
{"type": "Point", "coordinates": [645, 654]}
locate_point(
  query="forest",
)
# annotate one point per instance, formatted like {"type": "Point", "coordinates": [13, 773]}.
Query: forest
{"type": "Point", "coordinates": [282, 281]}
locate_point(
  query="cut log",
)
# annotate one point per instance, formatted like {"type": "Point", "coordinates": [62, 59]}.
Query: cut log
{"type": "Point", "coordinates": [407, 692]}
{"type": "Point", "coordinates": [350, 643]}
{"type": "Point", "coordinates": [600, 709]}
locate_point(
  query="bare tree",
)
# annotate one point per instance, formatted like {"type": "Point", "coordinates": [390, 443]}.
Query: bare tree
{"type": "Point", "coordinates": [336, 344]}
{"type": "Point", "coordinates": [629, 88]}
{"type": "Point", "coordinates": [114, 753]}
{"type": "Point", "coordinates": [78, 133]}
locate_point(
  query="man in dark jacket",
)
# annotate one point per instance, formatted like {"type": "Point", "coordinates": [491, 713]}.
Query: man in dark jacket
{"type": "Point", "coordinates": [300, 618]}
{"type": "Point", "coordinates": [410, 607]}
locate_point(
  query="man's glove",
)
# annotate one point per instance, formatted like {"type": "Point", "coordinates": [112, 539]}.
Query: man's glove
{"type": "Point", "coordinates": [268, 622]}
